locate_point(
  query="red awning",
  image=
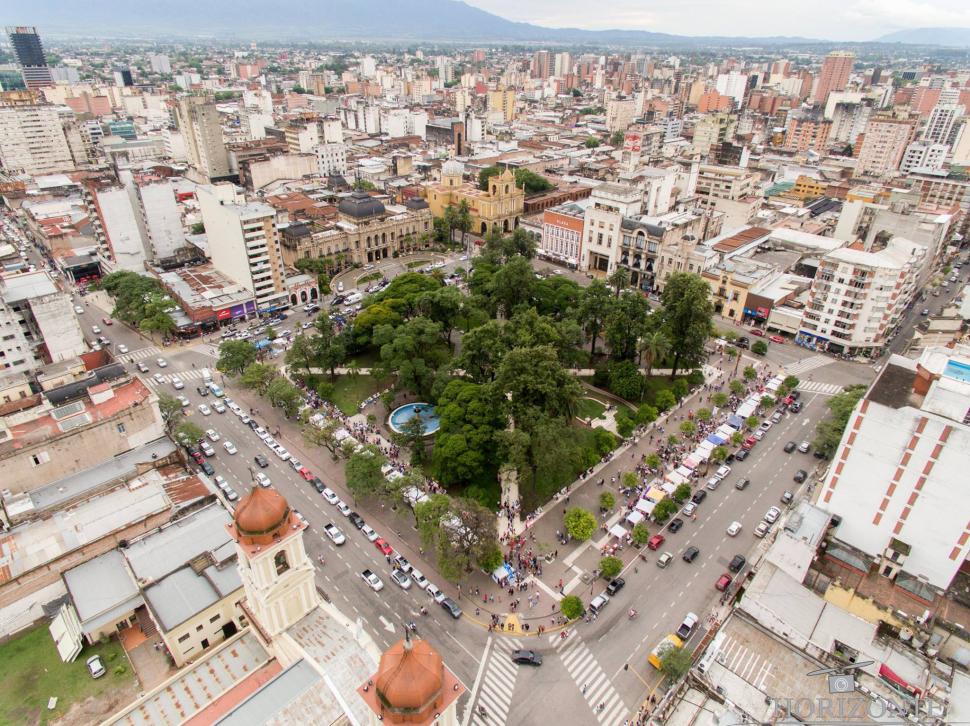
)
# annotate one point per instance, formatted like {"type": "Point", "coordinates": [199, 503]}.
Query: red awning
{"type": "Point", "coordinates": [889, 675]}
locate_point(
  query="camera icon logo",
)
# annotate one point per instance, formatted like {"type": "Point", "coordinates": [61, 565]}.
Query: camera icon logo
{"type": "Point", "coordinates": [841, 684]}
{"type": "Point", "coordinates": [840, 680]}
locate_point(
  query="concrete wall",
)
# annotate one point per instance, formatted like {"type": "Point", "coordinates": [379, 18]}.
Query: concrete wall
{"type": "Point", "coordinates": [190, 648]}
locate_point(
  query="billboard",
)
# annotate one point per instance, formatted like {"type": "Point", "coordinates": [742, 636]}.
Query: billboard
{"type": "Point", "coordinates": [632, 141]}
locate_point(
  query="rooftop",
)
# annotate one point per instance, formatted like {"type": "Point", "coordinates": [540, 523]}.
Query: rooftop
{"type": "Point", "coordinates": [185, 593]}
{"type": "Point", "coordinates": [100, 588]}
{"type": "Point", "coordinates": [161, 552]}
{"type": "Point", "coordinates": [204, 286]}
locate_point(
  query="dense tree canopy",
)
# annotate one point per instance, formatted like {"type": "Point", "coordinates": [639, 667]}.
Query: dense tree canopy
{"type": "Point", "coordinates": [686, 314]}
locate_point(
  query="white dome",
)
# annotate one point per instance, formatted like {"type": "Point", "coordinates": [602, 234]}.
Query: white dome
{"type": "Point", "coordinates": [452, 167]}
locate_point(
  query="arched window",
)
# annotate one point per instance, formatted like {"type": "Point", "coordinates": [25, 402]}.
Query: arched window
{"type": "Point", "coordinates": [506, 188]}
{"type": "Point", "coordinates": [281, 564]}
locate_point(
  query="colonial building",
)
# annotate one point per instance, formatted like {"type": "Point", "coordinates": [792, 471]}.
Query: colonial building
{"type": "Point", "coordinates": [499, 208]}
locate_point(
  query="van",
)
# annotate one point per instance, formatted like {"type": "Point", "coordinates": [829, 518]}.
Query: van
{"type": "Point", "coordinates": [663, 647]}
{"type": "Point", "coordinates": [353, 298]}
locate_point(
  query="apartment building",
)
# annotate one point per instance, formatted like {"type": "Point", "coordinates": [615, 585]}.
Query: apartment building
{"type": "Point", "coordinates": [244, 243]}
{"type": "Point", "coordinates": [609, 204]}
{"type": "Point", "coordinates": [807, 132]}
{"type": "Point", "coordinates": [940, 123]}
{"type": "Point", "coordinates": [502, 100]}
{"type": "Point", "coordinates": [32, 139]}
{"type": "Point", "coordinates": [834, 75]}
{"type": "Point", "coordinates": [620, 113]}
{"type": "Point", "coordinates": [858, 297]}
{"type": "Point", "coordinates": [331, 159]}
{"type": "Point", "coordinates": [713, 129]}
{"type": "Point", "coordinates": [920, 155]}
{"type": "Point", "coordinates": [883, 145]}
{"type": "Point", "coordinates": [198, 120]}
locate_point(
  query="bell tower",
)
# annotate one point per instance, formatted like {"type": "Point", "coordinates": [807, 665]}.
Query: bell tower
{"type": "Point", "coordinates": [276, 573]}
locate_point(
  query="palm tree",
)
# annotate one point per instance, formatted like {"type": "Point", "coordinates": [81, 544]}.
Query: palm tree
{"type": "Point", "coordinates": [655, 345]}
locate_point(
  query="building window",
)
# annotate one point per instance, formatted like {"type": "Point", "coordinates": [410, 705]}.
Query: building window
{"type": "Point", "coordinates": [121, 428]}
{"type": "Point", "coordinates": [281, 564]}
{"type": "Point", "coordinates": [215, 617]}
{"type": "Point", "coordinates": [183, 638]}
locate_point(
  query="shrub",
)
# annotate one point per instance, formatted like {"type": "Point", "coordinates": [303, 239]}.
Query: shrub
{"type": "Point", "coordinates": [626, 381]}
{"type": "Point", "coordinates": [571, 607]}
{"type": "Point", "coordinates": [640, 534]}
{"type": "Point", "coordinates": [680, 388]}
{"type": "Point", "coordinates": [120, 670]}
{"type": "Point", "coordinates": [695, 377]}
{"type": "Point", "coordinates": [607, 500]}
{"type": "Point", "coordinates": [624, 424]}
{"type": "Point", "coordinates": [646, 414]}
{"type": "Point", "coordinates": [604, 441]}
{"type": "Point", "coordinates": [665, 400]}
{"type": "Point", "coordinates": [580, 524]}
{"type": "Point", "coordinates": [610, 567]}
{"type": "Point", "coordinates": [759, 347]}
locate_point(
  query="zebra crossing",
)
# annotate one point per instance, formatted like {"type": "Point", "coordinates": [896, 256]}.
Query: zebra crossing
{"type": "Point", "coordinates": [150, 351]}
{"type": "Point", "coordinates": [184, 376]}
{"type": "Point", "coordinates": [826, 389]}
{"type": "Point", "coordinates": [594, 684]}
{"type": "Point", "coordinates": [498, 684]}
{"type": "Point", "coordinates": [807, 364]}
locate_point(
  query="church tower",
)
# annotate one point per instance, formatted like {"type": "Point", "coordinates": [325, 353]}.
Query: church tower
{"type": "Point", "coordinates": [276, 573]}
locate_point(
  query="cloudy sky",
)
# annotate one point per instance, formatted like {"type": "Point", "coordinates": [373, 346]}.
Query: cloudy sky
{"type": "Point", "coordinates": [826, 19]}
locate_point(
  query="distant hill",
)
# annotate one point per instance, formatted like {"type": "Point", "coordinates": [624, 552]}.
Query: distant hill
{"type": "Point", "coordinates": [308, 20]}
{"type": "Point", "coordinates": [951, 37]}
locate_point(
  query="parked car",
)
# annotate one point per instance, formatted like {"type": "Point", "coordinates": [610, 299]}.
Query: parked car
{"type": "Point", "coordinates": [401, 579]}
{"type": "Point", "coordinates": [762, 529]}
{"type": "Point", "coordinates": [330, 495]}
{"type": "Point", "coordinates": [372, 580]}
{"type": "Point", "coordinates": [737, 563]}
{"type": "Point", "coordinates": [95, 666]}
{"type": "Point", "coordinates": [356, 520]}
{"type": "Point", "coordinates": [418, 579]}
{"type": "Point", "coordinates": [771, 516]}
{"type": "Point", "coordinates": [381, 544]}
{"type": "Point", "coordinates": [675, 524]}
{"type": "Point", "coordinates": [795, 407]}
{"type": "Point", "coordinates": [687, 626]}
{"type": "Point", "coordinates": [616, 584]}
{"type": "Point", "coordinates": [723, 582]}
{"type": "Point", "coordinates": [699, 496]}
{"type": "Point", "coordinates": [776, 339]}
{"type": "Point", "coordinates": [804, 447]}
{"type": "Point", "coordinates": [451, 607]}
{"type": "Point", "coordinates": [655, 541]}
{"type": "Point", "coordinates": [664, 560]}
{"type": "Point", "coordinates": [318, 484]}
{"type": "Point", "coordinates": [741, 454]}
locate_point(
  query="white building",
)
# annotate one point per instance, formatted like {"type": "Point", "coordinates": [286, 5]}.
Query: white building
{"type": "Point", "coordinates": [858, 297]}
{"type": "Point", "coordinates": [919, 155]}
{"type": "Point", "coordinates": [163, 221]}
{"type": "Point", "coordinates": [121, 245]}
{"type": "Point", "coordinates": [940, 123]}
{"type": "Point", "coordinates": [37, 323]}
{"type": "Point", "coordinates": [562, 232]}
{"type": "Point", "coordinates": [244, 242]}
{"type": "Point", "coordinates": [331, 159]}
{"type": "Point", "coordinates": [732, 84]}
{"type": "Point", "coordinates": [620, 113]}
{"type": "Point", "coordinates": [159, 63]}
{"type": "Point", "coordinates": [32, 141]}
{"type": "Point", "coordinates": [609, 204]}
{"type": "Point", "coordinates": [900, 486]}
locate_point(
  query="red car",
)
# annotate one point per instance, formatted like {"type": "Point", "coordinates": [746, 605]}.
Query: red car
{"type": "Point", "coordinates": [749, 443]}
{"type": "Point", "coordinates": [306, 473]}
{"type": "Point", "coordinates": [197, 455]}
{"type": "Point", "coordinates": [723, 582]}
{"type": "Point", "coordinates": [383, 546]}
{"type": "Point", "coordinates": [655, 541]}
{"type": "Point", "coordinates": [757, 332]}
{"type": "Point", "coordinates": [776, 339]}
{"type": "Point", "coordinates": [107, 321]}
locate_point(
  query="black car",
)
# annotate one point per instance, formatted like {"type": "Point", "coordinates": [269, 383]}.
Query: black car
{"type": "Point", "coordinates": [675, 525]}
{"type": "Point", "coordinates": [729, 458]}
{"type": "Point", "coordinates": [252, 424]}
{"type": "Point", "coordinates": [699, 496]}
{"type": "Point", "coordinates": [795, 395]}
{"type": "Point", "coordinates": [690, 554]}
{"type": "Point", "coordinates": [207, 468]}
{"type": "Point", "coordinates": [742, 342]}
{"type": "Point", "coordinates": [526, 657]}
{"type": "Point", "coordinates": [357, 520]}
{"type": "Point", "coordinates": [615, 585]}
{"type": "Point", "coordinates": [742, 454]}
{"type": "Point", "coordinates": [795, 407]}
{"type": "Point", "coordinates": [790, 447]}
{"type": "Point", "coordinates": [451, 607]}
{"type": "Point", "coordinates": [801, 475]}
{"type": "Point", "coordinates": [202, 390]}
{"type": "Point", "coordinates": [737, 563]}
{"type": "Point", "coordinates": [318, 484]}
{"type": "Point", "coordinates": [260, 461]}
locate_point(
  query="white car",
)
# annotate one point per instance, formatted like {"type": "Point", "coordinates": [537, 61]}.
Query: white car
{"type": "Point", "coordinates": [122, 348]}
{"type": "Point", "coordinates": [207, 449]}
{"type": "Point", "coordinates": [771, 516]}
{"type": "Point", "coordinates": [296, 464]}
{"type": "Point", "coordinates": [177, 383]}
{"type": "Point", "coordinates": [218, 407]}
{"type": "Point", "coordinates": [270, 442]}
{"type": "Point", "coordinates": [334, 533]}
{"type": "Point", "coordinates": [734, 529]}
{"type": "Point", "coordinates": [262, 479]}
{"type": "Point", "coordinates": [420, 580]}
{"type": "Point", "coordinates": [330, 495]}
{"type": "Point", "coordinates": [212, 434]}
{"type": "Point", "coordinates": [261, 433]}
{"type": "Point", "coordinates": [401, 579]}
{"type": "Point", "coordinates": [230, 447]}
{"type": "Point", "coordinates": [158, 378]}
{"type": "Point", "coordinates": [372, 580]}
{"type": "Point", "coordinates": [282, 453]}
{"type": "Point", "coordinates": [183, 401]}
{"type": "Point", "coordinates": [759, 434]}
{"type": "Point", "coordinates": [96, 330]}
{"type": "Point", "coordinates": [435, 594]}
{"type": "Point", "coordinates": [762, 529]}
{"type": "Point", "coordinates": [369, 532]}
{"type": "Point", "coordinates": [343, 508]}
{"type": "Point", "coordinates": [204, 410]}
{"type": "Point", "coordinates": [78, 309]}
{"type": "Point", "coordinates": [161, 362]}
{"type": "Point", "coordinates": [722, 472]}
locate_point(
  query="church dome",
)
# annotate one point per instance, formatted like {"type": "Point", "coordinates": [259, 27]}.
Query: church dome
{"type": "Point", "coordinates": [360, 205]}
{"type": "Point", "coordinates": [416, 203]}
{"type": "Point", "coordinates": [410, 680]}
{"type": "Point", "coordinates": [260, 515]}
{"type": "Point", "coordinates": [452, 167]}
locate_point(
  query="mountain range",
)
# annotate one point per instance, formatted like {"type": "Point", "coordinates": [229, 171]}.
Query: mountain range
{"type": "Point", "coordinates": [362, 20]}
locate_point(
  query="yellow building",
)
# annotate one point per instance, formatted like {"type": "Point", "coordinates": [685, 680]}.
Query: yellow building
{"type": "Point", "coordinates": [503, 100]}
{"type": "Point", "coordinates": [807, 188]}
{"type": "Point", "coordinates": [498, 208]}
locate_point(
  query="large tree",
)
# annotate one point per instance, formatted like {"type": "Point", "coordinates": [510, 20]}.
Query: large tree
{"type": "Point", "coordinates": [258, 377]}
{"type": "Point", "coordinates": [686, 315]}
{"type": "Point", "coordinates": [594, 306]}
{"type": "Point", "coordinates": [283, 394]}
{"type": "Point", "coordinates": [653, 346]}
{"type": "Point", "coordinates": [618, 280]}
{"type": "Point", "coordinates": [471, 418]}
{"type": "Point", "coordinates": [536, 381]}
{"type": "Point", "coordinates": [234, 356]}
{"type": "Point", "coordinates": [512, 285]}
{"type": "Point", "coordinates": [482, 349]}
{"type": "Point", "coordinates": [329, 347]}
{"type": "Point", "coordinates": [829, 431]}
{"type": "Point", "coordinates": [171, 411]}
{"type": "Point", "coordinates": [442, 306]}
{"type": "Point", "coordinates": [625, 322]}
{"type": "Point", "coordinates": [364, 476]}
{"type": "Point", "coordinates": [414, 351]}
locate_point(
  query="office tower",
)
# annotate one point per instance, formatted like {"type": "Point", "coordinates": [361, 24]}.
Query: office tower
{"type": "Point", "coordinates": [29, 53]}
{"type": "Point", "coordinates": [542, 64]}
{"type": "Point", "coordinates": [201, 127]}
{"type": "Point", "coordinates": [941, 121]}
{"type": "Point", "coordinates": [123, 77]}
{"type": "Point", "coordinates": [834, 75]}
{"type": "Point", "coordinates": [32, 139]}
{"type": "Point", "coordinates": [160, 63]}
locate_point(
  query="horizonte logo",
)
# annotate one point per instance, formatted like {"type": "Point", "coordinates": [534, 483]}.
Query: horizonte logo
{"type": "Point", "coordinates": [852, 709]}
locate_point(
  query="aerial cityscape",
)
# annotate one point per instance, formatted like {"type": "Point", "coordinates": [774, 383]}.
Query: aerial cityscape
{"type": "Point", "coordinates": [469, 364]}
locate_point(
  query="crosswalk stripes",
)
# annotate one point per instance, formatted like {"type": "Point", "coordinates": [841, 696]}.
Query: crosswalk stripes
{"type": "Point", "coordinates": [594, 684]}
{"type": "Point", "coordinates": [150, 351]}
{"type": "Point", "coordinates": [807, 364]}
{"type": "Point", "coordinates": [497, 686]}
{"type": "Point", "coordinates": [195, 375]}
{"type": "Point", "coordinates": [827, 389]}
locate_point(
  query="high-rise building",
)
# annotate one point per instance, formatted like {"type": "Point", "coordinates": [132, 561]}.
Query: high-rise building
{"type": "Point", "coordinates": [198, 120]}
{"type": "Point", "coordinates": [123, 77]}
{"type": "Point", "coordinates": [32, 139]}
{"type": "Point", "coordinates": [160, 63]}
{"type": "Point", "coordinates": [244, 242]}
{"type": "Point", "coordinates": [503, 100]}
{"type": "Point", "coordinates": [940, 122]}
{"type": "Point", "coordinates": [921, 155]}
{"type": "Point", "coordinates": [563, 65]}
{"type": "Point", "coordinates": [542, 64]}
{"type": "Point", "coordinates": [883, 144]}
{"type": "Point", "coordinates": [807, 132]}
{"type": "Point", "coordinates": [331, 159]}
{"type": "Point", "coordinates": [834, 75]}
{"type": "Point", "coordinates": [29, 52]}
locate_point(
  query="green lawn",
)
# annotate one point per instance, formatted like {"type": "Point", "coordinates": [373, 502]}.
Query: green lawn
{"type": "Point", "coordinates": [369, 278]}
{"type": "Point", "coordinates": [349, 390]}
{"type": "Point", "coordinates": [590, 408]}
{"type": "Point", "coordinates": [417, 263]}
{"type": "Point", "coordinates": [33, 672]}
{"type": "Point", "coordinates": [367, 358]}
